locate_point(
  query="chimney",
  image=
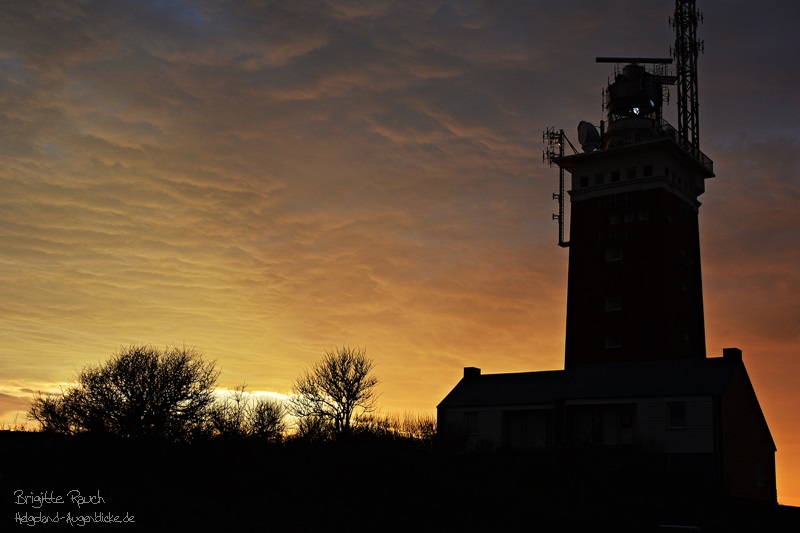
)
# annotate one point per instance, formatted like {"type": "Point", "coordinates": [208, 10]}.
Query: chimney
{"type": "Point", "coordinates": [731, 354]}
{"type": "Point", "coordinates": [471, 372]}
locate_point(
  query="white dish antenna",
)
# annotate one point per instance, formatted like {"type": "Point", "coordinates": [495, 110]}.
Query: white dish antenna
{"type": "Point", "coordinates": [588, 136]}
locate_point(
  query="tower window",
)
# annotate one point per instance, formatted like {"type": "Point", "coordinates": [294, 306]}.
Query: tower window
{"type": "Point", "coordinates": [616, 235]}
{"type": "Point", "coordinates": [615, 175]}
{"type": "Point", "coordinates": [584, 181]}
{"type": "Point", "coordinates": [613, 254]}
{"type": "Point", "coordinates": [631, 173]}
{"type": "Point", "coordinates": [613, 341]}
{"type": "Point", "coordinates": [614, 200]}
{"type": "Point", "coordinates": [599, 178]}
{"type": "Point", "coordinates": [614, 303]}
{"type": "Point", "coordinates": [647, 171]}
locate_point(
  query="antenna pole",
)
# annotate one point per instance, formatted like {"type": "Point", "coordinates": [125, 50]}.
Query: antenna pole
{"type": "Point", "coordinates": [555, 149]}
{"type": "Point", "coordinates": [685, 53]}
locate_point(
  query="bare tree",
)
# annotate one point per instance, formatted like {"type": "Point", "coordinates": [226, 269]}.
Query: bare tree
{"type": "Point", "coordinates": [312, 428]}
{"type": "Point", "coordinates": [410, 426]}
{"type": "Point", "coordinates": [140, 391]}
{"type": "Point", "coordinates": [335, 391]}
{"type": "Point", "coordinates": [227, 415]}
{"type": "Point", "coordinates": [52, 413]}
{"type": "Point", "coordinates": [267, 419]}
{"type": "Point", "coordinates": [241, 415]}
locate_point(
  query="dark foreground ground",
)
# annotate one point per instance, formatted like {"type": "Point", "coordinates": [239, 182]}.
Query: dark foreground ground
{"type": "Point", "coordinates": [357, 486]}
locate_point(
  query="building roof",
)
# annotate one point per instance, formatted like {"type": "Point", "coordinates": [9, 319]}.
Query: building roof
{"type": "Point", "coordinates": [682, 377]}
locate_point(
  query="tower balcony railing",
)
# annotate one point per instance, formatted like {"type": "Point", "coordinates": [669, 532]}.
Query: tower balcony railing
{"type": "Point", "coordinates": [668, 130]}
{"type": "Point", "coordinates": [627, 130]}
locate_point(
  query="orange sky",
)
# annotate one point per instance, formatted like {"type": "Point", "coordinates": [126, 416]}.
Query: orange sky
{"type": "Point", "coordinates": [266, 181]}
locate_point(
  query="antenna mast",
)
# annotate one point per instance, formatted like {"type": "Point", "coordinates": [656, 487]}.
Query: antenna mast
{"type": "Point", "coordinates": [685, 53]}
{"type": "Point", "coordinates": [555, 149]}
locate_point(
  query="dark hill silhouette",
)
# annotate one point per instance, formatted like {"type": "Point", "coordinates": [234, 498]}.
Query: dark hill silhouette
{"type": "Point", "coordinates": [361, 484]}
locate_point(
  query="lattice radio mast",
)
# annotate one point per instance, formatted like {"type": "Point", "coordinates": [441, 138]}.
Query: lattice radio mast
{"type": "Point", "coordinates": [685, 52]}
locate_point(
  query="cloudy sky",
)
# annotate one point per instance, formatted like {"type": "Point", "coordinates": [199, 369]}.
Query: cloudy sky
{"type": "Point", "coordinates": [267, 180]}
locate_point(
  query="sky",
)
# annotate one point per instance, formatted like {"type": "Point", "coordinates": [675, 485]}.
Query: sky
{"type": "Point", "coordinates": [268, 180]}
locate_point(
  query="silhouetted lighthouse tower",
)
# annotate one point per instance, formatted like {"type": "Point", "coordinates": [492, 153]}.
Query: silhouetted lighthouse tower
{"type": "Point", "coordinates": [634, 282]}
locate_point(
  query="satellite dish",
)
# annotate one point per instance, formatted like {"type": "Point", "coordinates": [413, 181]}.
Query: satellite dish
{"type": "Point", "coordinates": [588, 136]}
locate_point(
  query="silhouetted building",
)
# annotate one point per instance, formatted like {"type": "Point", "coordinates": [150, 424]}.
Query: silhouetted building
{"type": "Point", "coordinates": [697, 418]}
{"type": "Point", "coordinates": [636, 377]}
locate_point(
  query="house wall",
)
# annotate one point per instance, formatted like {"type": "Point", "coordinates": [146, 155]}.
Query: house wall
{"type": "Point", "coordinates": [652, 428]}
{"type": "Point", "coordinates": [474, 424]}
{"type": "Point", "coordinates": [489, 433]}
{"type": "Point", "coordinates": [696, 437]}
{"type": "Point", "coordinates": [491, 427]}
{"type": "Point", "coordinates": [748, 450]}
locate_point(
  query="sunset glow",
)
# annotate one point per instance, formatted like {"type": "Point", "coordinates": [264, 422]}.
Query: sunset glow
{"type": "Point", "coordinates": [267, 181]}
